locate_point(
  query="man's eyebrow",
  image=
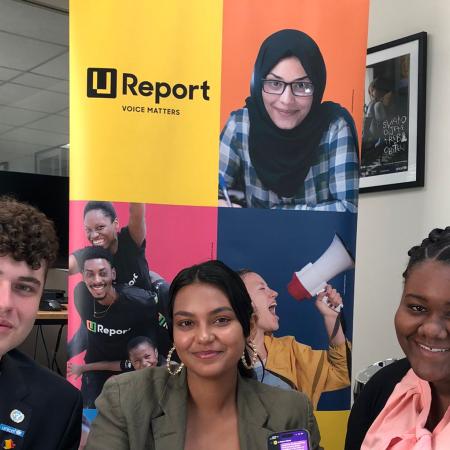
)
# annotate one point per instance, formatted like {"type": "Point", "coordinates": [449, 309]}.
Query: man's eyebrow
{"type": "Point", "coordinates": [93, 270]}
{"type": "Point", "coordinates": [30, 280]}
{"type": "Point", "coordinates": [26, 279]}
{"type": "Point", "coordinates": [281, 78]}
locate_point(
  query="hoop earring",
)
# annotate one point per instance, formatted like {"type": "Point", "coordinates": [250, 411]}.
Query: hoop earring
{"type": "Point", "coordinates": [253, 357]}
{"type": "Point", "coordinates": [169, 356]}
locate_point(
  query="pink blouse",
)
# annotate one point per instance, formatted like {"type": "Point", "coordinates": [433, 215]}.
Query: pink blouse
{"type": "Point", "coordinates": [401, 423]}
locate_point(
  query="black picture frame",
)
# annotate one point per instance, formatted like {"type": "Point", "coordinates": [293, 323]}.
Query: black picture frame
{"type": "Point", "coordinates": [393, 135]}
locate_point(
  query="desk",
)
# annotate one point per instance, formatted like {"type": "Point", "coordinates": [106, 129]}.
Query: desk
{"type": "Point", "coordinates": [51, 318]}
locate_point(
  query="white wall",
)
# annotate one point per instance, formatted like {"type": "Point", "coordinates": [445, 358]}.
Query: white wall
{"type": "Point", "coordinates": [390, 223]}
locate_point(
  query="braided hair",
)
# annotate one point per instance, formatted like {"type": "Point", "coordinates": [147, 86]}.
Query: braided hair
{"type": "Point", "coordinates": [435, 247]}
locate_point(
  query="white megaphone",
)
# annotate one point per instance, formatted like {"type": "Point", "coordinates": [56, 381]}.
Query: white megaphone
{"type": "Point", "coordinates": [313, 278]}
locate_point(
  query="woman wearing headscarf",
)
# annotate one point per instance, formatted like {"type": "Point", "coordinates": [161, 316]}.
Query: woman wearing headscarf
{"type": "Point", "coordinates": [286, 148]}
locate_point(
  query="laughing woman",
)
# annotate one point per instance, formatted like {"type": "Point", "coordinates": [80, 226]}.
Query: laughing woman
{"type": "Point", "coordinates": [286, 148]}
{"type": "Point", "coordinates": [211, 400]}
{"type": "Point", "coordinates": [406, 405]}
{"type": "Point", "coordinates": [289, 364]}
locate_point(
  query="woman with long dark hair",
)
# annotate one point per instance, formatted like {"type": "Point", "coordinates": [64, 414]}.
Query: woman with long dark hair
{"type": "Point", "coordinates": [286, 148]}
{"type": "Point", "coordinates": [212, 399]}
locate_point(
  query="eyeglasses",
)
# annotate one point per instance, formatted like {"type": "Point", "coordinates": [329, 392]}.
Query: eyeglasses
{"type": "Point", "coordinates": [298, 88]}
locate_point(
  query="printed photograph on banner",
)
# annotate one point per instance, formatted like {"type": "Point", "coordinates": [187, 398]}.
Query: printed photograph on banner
{"type": "Point", "coordinates": [298, 269]}
{"type": "Point", "coordinates": [291, 118]}
{"type": "Point", "coordinates": [122, 259]}
{"type": "Point", "coordinates": [288, 147]}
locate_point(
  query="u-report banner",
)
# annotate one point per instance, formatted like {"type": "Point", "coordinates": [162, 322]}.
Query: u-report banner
{"type": "Point", "coordinates": [181, 107]}
{"type": "Point", "coordinates": [145, 101]}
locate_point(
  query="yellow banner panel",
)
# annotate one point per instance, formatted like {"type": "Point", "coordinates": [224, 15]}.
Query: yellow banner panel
{"type": "Point", "coordinates": [145, 101]}
{"type": "Point", "coordinates": [332, 426]}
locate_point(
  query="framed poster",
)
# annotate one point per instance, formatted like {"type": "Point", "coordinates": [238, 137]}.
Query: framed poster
{"type": "Point", "coordinates": [393, 138]}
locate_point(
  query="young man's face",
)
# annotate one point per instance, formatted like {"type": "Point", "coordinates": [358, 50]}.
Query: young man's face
{"type": "Point", "coordinates": [98, 277]}
{"type": "Point", "coordinates": [20, 292]}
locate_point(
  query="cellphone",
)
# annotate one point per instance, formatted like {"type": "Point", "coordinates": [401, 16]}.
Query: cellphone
{"type": "Point", "coordinates": [289, 440]}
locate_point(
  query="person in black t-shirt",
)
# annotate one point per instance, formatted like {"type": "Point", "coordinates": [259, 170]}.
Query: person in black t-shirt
{"type": "Point", "coordinates": [127, 247]}
{"type": "Point", "coordinates": [111, 315]}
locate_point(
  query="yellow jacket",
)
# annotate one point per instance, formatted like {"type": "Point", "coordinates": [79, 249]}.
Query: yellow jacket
{"type": "Point", "coordinates": [310, 371]}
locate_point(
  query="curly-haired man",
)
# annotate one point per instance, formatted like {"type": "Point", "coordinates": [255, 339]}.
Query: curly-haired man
{"type": "Point", "coordinates": [38, 409]}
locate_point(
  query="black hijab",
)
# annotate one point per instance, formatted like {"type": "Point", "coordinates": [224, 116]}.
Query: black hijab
{"type": "Point", "coordinates": [282, 158]}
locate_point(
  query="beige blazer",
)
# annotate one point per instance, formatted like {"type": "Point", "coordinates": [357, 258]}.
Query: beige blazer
{"type": "Point", "coordinates": [146, 409]}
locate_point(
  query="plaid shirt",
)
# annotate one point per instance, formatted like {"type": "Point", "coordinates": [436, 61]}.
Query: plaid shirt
{"type": "Point", "coordinates": [331, 184]}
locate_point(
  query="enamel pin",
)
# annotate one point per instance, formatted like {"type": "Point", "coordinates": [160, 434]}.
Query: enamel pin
{"type": "Point", "coordinates": [17, 416]}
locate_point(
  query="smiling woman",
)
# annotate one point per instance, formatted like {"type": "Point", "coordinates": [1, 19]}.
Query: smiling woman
{"type": "Point", "coordinates": [212, 400]}
{"type": "Point", "coordinates": [422, 322]}
{"type": "Point", "coordinates": [126, 244]}
{"type": "Point", "coordinates": [287, 149]}
{"type": "Point", "coordinates": [407, 404]}
{"type": "Point", "coordinates": [209, 340]}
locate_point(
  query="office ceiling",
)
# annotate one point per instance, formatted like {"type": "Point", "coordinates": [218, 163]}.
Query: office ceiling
{"type": "Point", "coordinates": [59, 5]}
{"type": "Point", "coordinates": [34, 86]}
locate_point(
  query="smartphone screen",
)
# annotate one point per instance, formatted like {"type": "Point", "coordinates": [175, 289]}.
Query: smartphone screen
{"type": "Point", "coordinates": [289, 440]}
